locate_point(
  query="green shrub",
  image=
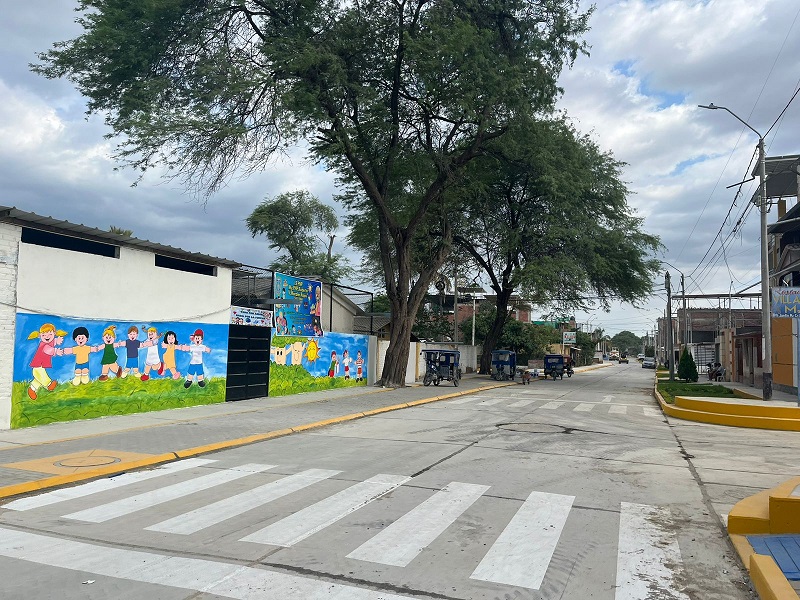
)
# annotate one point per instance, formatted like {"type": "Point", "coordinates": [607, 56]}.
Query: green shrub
{"type": "Point", "coordinates": [687, 370]}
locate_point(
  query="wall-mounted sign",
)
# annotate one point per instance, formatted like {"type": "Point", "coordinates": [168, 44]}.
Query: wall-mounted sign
{"type": "Point", "coordinates": [301, 315]}
{"type": "Point", "coordinates": [241, 315]}
{"type": "Point", "coordinates": [570, 337]}
{"type": "Point", "coordinates": [786, 302]}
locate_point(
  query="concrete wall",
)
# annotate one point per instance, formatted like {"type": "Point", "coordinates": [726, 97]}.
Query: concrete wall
{"type": "Point", "coordinates": [131, 287]}
{"type": "Point", "coordinates": [9, 252]}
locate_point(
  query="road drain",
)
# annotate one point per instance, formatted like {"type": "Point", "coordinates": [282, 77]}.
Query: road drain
{"type": "Point", "coordinates": [534, 428]}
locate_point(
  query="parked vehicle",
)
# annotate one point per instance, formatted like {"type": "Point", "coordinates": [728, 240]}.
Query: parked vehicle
{"type": "Point", "coordinates": [649, 363]}
{"type": "Point", "coordinates": [640, 357]}
{"type": "Point", "coordinates": [623, 359]}
{"type": "Point", "coordinates": [553, 366]}
{"type": "Point", "coordinates": [441, 365]}
{"type": "Point", "coordinates": [504, 365]}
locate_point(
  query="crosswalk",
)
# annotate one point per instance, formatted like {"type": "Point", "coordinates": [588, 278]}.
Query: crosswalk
{"type": "Point", "coordinates": [648, 556]}
{"type": "Point", "coordinates": [605, 406]}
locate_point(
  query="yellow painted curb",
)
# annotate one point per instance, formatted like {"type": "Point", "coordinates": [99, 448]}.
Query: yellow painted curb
{"type": "Point", "coordinates": [769, 580]}
{"type": "Point", "coordinates": [742, 547]}
{"type": "Point", "coordinates": [753, 422]}
{"type": "Point", "coordinates": [750, 515]}
{"type": "Point", "coordinates": [751, 410]}
{"type": "Point", "coordinates": [50, 482]}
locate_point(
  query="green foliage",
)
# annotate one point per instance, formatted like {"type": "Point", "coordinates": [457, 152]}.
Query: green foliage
{"type": "Point", "coordinates": [121, 231]}
{"type": "Point", "coordinates": [292, 222]}
{"type": "Point", "coordinates": [431, 324]}
{"type": "Point", "coordinates": [394, 98]}
{"type": "Point", "coordinates": [687, 370]}
{"type": "Point", "coordinates": [587, 345]}
{"type": "Point", "coordinates": [627, 342]}
{"type": "Point", "coordinates": [294, 379]}
{"type": "Point", "coordinates": [113, 397]}
{"type": "Point", "coordinates": [649, 351]}
{"type": "Point", "coordinates": [670, 389]}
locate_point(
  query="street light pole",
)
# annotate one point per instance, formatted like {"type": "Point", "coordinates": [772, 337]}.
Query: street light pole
{"type": "Point", "coordinates": [766, 324]}
{"type": "Point", "coordinates": [670, 348]}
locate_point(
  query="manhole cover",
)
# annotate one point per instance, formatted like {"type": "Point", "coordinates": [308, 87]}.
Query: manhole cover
{"type": "Point", "coordinates": [532, 427]}
{"type": "Point", "coordinates": [87, 461]}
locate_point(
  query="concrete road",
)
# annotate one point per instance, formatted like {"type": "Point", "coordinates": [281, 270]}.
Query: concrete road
{"type": "Point", "coordinates": [568, 489]}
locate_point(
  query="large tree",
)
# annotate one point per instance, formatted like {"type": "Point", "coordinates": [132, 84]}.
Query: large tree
{"type": "Point", "coordinates": [545, 215]}
{"type": "Point", "coordinates": [396, 97]}
{"type": "Point", "coordinates": [303, 228]}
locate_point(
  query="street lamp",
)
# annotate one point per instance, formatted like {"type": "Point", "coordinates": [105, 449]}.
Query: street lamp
{"type": "Point", "coordinates": [670, 348]}
{"type": "Point", "coordinates": [766, 325]}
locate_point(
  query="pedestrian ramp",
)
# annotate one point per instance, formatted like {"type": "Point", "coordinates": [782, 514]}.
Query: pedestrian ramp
{"type": "Point", "coordinates": [519, 555]}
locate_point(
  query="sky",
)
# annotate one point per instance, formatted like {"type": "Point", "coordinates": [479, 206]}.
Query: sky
{"type": "Point", "coordinates": [650, 63]}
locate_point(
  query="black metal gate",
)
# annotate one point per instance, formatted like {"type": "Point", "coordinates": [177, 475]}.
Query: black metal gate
{"type": "Point", "coordinates": [248, 362]}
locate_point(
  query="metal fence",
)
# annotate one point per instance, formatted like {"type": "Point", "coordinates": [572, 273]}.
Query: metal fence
{"type": "Point", "coordinates": [252, 287]}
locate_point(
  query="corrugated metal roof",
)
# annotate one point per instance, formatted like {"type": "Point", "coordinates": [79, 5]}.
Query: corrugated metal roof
{"type": "Point", "coordinates": [10, 214]}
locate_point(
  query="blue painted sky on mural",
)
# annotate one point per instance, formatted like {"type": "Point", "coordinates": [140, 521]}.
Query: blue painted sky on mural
{"type": "Point", "coordinates": [652, 62]}
{"type": "Point", "coordinates": [63, 370]}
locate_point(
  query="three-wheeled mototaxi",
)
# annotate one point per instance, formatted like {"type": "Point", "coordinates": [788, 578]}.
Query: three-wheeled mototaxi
{"type": "Point", "coordinates": [504, 364]}
{"type": "Point", "coordinates": [553, 366]}
{"type": "Point", "coordinates": [441, 365]}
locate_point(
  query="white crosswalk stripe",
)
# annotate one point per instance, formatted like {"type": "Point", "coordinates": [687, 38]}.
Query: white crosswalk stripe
{"type": "Point", "coordinates": [126, 506]}
{"type": "Point", "coordinates": [308, 521]}
{"type": "Point", "coordinates": [652, 412]}
{"type": "Point", "coordinates": [522, 553]}
{"type": "Point", "coordinates": [521, 403]}
{"type": "Point", "coordinates": [222, 580]}
{"type": "Point", "coordinates": [617, 409]}
{"type": "Point", "coordinates": [584, 407]}
{"type": "Point", "coordinates": [648, 557]}
{"type": "Point", "coordinates": [102, 485]}
{"type": "Point", "coordinates": [491, 402]}
{"type": "Point", "coordinates": [464, 400]}
{"type": "Point", "coordinates": [403, 540]}
{"type": "Point", "coordinates": [239, 504]}
{"type": "Point", "coordinates": [553, 405]}
{"type": "Point", "coordinates": [647, 545]}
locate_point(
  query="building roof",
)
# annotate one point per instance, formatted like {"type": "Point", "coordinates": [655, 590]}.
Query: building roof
{"type": "Point", "coordinates": [10, 214]}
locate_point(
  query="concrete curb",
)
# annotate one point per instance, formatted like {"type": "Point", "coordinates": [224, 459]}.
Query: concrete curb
{"type": "Point", "coordinates": [59, 480]}
{"type": "Point", "coordinates": [768, 580]}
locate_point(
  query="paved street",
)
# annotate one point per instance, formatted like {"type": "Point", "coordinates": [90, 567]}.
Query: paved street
{"type": "Point", "coordinates": [566, 489]}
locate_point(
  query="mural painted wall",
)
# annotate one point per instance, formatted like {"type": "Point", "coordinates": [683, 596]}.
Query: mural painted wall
{"type": "Point", "coordinates": [303, 316]}
{"type": "Point", "coordinates": [307, 364]}
{"type": "Point", "coordinates": [67, 369]}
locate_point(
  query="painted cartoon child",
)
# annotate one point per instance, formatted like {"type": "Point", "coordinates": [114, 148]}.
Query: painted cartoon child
{"type": "Point", "coordinates": [109, 358]}
{"type": "Point", "coordinates": [152, 361]}
{"type": "Point", "coordinates": [359, 366]}
{"type": "Point", "coordinates": [42, 360]}
{"type": "Point", "coordinates": [334, 368]}
{"type": "Point", "coordinates": [346, 361]}
{"type": "Point", "coordinates": [132, 345]}
{"type": "Point", "coordinates": [196, 348]}
{"type": "Point", "coordinates": [81, 352]}
{"type": "Point", "coordinates": [170, 344]}
{"type": "Point", "coordinates": [318, 302]}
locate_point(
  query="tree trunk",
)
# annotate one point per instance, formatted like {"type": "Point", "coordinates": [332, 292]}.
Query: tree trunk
{"type": "Point", "coordinates": [495, 332]}
{"type": "Point", "coordinates": [396, 361]}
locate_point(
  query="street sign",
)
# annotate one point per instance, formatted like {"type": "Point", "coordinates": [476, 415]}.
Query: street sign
{"type": "Point", "coordinates": [786, 302]}
{"type": "Point", "coordinates": [570, 337]}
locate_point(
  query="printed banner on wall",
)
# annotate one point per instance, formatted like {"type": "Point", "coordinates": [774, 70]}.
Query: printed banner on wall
{"type": "Point", "coordinates": [786, 302]}
{"type": "Point", "coordinates": [241, 315]}
{"type": "Point", "coordinates": [307, 364]}
{"type": "Point", "coordinates": [67, 369]}
{"type": "Point", "coordinates": [304, 315]}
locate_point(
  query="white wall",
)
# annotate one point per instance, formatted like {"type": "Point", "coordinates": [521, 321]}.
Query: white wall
{"type": "Point", "coordinates": [380, 357]}
{"type": "Point", "coordinates": [9, 249]}
{"type": "Point", "coordinates": [130, 288]}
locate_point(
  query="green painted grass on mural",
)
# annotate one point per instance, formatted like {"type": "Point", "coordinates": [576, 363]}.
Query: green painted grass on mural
{"type": "Point", "coordinates": [294, 379]}
{"type": "Point", "coordinates": [113, 397]}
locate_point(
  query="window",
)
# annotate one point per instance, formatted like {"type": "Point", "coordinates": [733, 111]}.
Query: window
{"type": "Point", "coordinates": [38, 237]}
{"type": "Point", "coordinates": [178, 264]}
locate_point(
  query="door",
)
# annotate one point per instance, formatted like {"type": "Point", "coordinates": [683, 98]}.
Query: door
{"type": "Point", "coordinates": [248, 362]}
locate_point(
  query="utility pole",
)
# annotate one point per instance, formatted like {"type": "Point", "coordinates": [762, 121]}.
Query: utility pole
{"type": "Point", "coordinates": [670, 349]}
{"type": "Point", "coordinates": [766, 315]}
